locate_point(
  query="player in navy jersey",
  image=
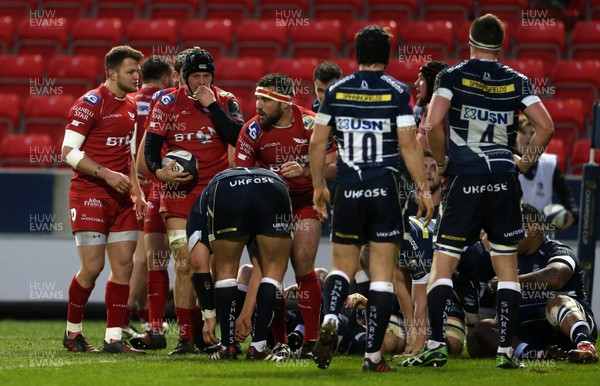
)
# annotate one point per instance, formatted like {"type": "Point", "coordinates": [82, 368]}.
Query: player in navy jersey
{"type": "Point", "coordinates": [369, 114]}
{"type": "Point", "coordinates": [554, 309]}
{"type": "Point", "coordinates": [479, 100]}
{"type": "Point", "coordinates": [325, 74]}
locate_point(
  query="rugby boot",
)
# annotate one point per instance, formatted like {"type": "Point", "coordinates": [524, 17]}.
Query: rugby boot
{"type": "Point", "coordinates": [78, 344]}
{"type": "Point", "coordinates": [436, 357]}
{"type": "Point", "coordinates": [325, 345]}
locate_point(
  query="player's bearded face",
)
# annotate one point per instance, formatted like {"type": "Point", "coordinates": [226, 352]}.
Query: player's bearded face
{"type": "Point", "coordinates": [269, 111]}
{"type": "Point", "coordinates": [128, 75]}
{"type": "Point", "coordinates": [433, 178]}
{"type": "Point", "coordinates": [421, 88]}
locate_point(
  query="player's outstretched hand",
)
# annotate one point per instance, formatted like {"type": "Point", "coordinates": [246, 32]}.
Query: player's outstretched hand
{"type": "Point", "coordinates": [243, 327]}
{"type": "Point", "coordinates": [167, 174]}
{"type": "Point", "coordinates": [356, 301]}
{"type": "Point", "coordinates": [118, 181]}
{"type": "Point", "coordinates": [320, 200]}
{"type": "Point", "coordinates": [208, 331]}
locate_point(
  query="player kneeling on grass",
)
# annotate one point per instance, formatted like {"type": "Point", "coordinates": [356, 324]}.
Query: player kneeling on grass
{"type": "Point", "coordinates": [554, 314]}
{"type": "Point", "coordinates": [242, 203]}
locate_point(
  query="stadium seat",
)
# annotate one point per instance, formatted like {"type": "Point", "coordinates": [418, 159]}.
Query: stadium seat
{"type": "Point", "coordinates": [585, 40]}
{"type": "Point", "coordinates": [43, 39]}
{"type": "Point", "coordinates": [405, 71]}
{"type": "Point", "coordinates": [75, 74]}
{"type": "Point", "coordinates": [510, 11]}
{"type": "Point", "coordinates": [546, 40]}
{"type": "Point", "coordinates": [96, 36]}
{"type": "Point", "coordinates": [346, 10]}
{"type": "Point", "coordinates": [122, 9]}
{"type": "Point", "coordinates": [247, 102]}
{"type": "Point", "coordinates": [581, 155]}
{"type": "Point", "coordinates": [577, 79]}
{"type": "Point", "coordinates": [427, 39]}
{"type": "Point", "coordinates": [456, 11]}
{"type": "Point", "coordinates": [229, 9]}
{"type": "Point", "coordinates": [214, 35]}
{"type": "Point", "coordinates": [153, 37]}
{"type": "Point", "coordinates": [399, 10]}
{"type": "Point", "coordinates": [534, 69]}
{"type": "Point", "coordinates": [462, 38]}
{"type": "Point", "coordinates": [557, 147]}
{"type": "Point", "coordinates": [7, 30]}
{"type": "Point", "coordinates": [70, 9]}
{"type": "Point", "coordinates": [321, 39]}
{"type": "Point", "coordinates": [47, 114]}
{"type": "Point", "coordinates": [10, 110]}
{"type": "Point", "coordinates": [300, 70]}
{"type": "Point", "coordinates": [390, 25]}
{"type": "Point", "coordinates": [243, 72]}
{"type": "Point", "coordinates": [347, 65]}
{"type": "Point", "coordinates": [18, 74]}
{"type": "Point", "coordinates": [17, 9]}
{"type": "Point", "coordinates": [566, 113]}
{"type": "Point", "coordinates": [27, 150]}
{"type": "Point", "coordinates": [274, 9]}
{"type": "Point", "coordinates": [594, 9]}
{"type": "Point", "coordinates": [172, 9]}
{"type": "Point", "coordinates": [261, 38]}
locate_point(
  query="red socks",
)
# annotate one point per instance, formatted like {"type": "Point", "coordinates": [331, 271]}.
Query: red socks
{"type": "Point", "coordinates": [116, 303]}
{"type": "Point", "coordinates": [158, 295]}
{"type": "Point", "coordinates": [184, 320]}
{"type": "Point", "coordinates": [309, 301]}
{"type": "Point", "coordinates": [78, 298]}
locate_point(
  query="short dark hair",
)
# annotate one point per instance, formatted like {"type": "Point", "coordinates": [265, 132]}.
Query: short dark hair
{"type": "Point", "coordinates": [427, 153]}
{"type": "Point", "coordinates": [488, 30]}
{"type": "Point", "coordinates": [281, 82]}
{"type": "Point", "coordinates": [326, 72]}
{"type": "Point", "coordinates": [372, 45]}
{"type": "Point", "coordinates": [531, 214]}
{"type": "Point", "coordinates": [155, 66]}
{"type": "Point", "coordinates": [115, 57]}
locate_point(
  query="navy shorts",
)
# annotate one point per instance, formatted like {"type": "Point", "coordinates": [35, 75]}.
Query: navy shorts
{"type": "Point", "coordinates": [368, 211]}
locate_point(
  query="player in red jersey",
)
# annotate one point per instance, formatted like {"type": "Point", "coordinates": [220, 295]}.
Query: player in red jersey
{"type": "Point", "coordinates": [157, 74]}
{"type": "Point", "coordinates": [277, 139]}
{"type": "Point", "coordinates": [202, 119]}
{"type": "Point", "coordinates": [97, 139]}
{"type": "Point", "coordinates": [155, 237]}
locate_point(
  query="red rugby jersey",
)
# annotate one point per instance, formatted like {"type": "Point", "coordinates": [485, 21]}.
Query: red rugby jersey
{"type": "Point", "coordinates": [142, 100]}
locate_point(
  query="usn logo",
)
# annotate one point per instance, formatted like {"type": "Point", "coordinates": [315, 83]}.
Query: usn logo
{"type": "Point", "coordinates": [365, 125]}
{"type": "Point", "coordinates": [471, 113]}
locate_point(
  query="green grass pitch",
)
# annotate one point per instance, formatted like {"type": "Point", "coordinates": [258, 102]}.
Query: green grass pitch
{"type": "Point", "coordinates": [31, 353]}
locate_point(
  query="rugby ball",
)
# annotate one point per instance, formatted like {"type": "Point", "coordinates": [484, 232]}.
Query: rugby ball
{"type": "Point", "coordinates": [556, 215]}
{"type": "Point", "coordinates": [185, 162]}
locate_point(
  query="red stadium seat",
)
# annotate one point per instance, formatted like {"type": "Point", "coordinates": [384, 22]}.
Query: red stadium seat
{"type": "Point", "coordinates": [585, 40]}
{"type": "Point", "coordinates": [27, 150]}
{"type": "Point", "coordinates": [247, 102]}
{"type": "Point", "coordinates": [96, 36]}
{"type": "Point", "coordinates": [353, 28]}
{"type": "Point", "coordinates": [321, 39]}
{"type": "Point", "coordinates": [456, 11]}
{"type": "Point", "coordinates": [462, 36]}
{"type": "Point", "coordinates": [71, 9]}
{"type": "Point", "coordinates": [172, 9]}
{"type": "Point", "coordinates": [153, 37]}
{"type": "Point", "coordinates": [581, 155]}
{"type": "Point", "coordinates": [229, 9]}
{"type": "Point", "coordinates": [346, 10]}
{"type": "Point", "coordinates": [405, 71]}
{"type": "Point", "coordinates": [239, 72]}
{"type": "Point", "coordinates": [546, 40]}
{"type": "Point", "coordinates": [18, 74]}
{"type": "Point", "coordinates": [214, 35]}
{"type": "Point", "coordinates": [566, 113]}
{"type": "Point", "coordinates": [42, 38]}
{"type": "Point", "coordinates": [577, 79]}
{"type": "Point", "coordinates": [274, 9]}
{"type": "Point", "coordinates": [347, 65]}
{"type": "Point", "coordinates": [7, 30]}
{"type": "Point", "coordinates": [47, 114]}
{"type": "Point", "coordinates": [399, 10]}
{"type": "Point", "coordinates": [75, 74]}
{"type": "Point", "coordinates": [300, 70]}
{"type": "Point", "coordinates": [17, 8]}
{"type": "Point", "coordinates": [595, 9]}
{"type": "Point", "coordinates": [10, 110]}
{"type": "Point", "coordinates": [261, 38]}
{"type": "Point", "coordinates": [122, 9]}
{"type": "Point", "coordinates": [432, 39]}
{"type": "Point", "coordinates": [510, 11]}
{"type": "Point", "coordinates": [557, 147]}
{"type": "Point", "coordinates": [534, 69]}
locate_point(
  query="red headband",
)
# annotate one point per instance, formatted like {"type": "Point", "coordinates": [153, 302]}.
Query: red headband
{"type": "Point", "coordinates": [265, 92]}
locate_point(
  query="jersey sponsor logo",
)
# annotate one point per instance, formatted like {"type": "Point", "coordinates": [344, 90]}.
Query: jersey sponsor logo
{"type": "Point", "coordinates": [372, 98]}
{"type": "Point", "coordinates": [143, 108]}
{"type": "Point", "coordinates": [345, 236]}
{"type": "Point", "coordinates": [131, 115]}
{"type": "Point", "coordinates": [395, 232]}
{"type": "Point", "coordinates": [248, 181]}
{"type": "Point", "coordinates": [166, 99]}
{"type": "Point", "coordinates": [118, 141]}
{"type": "Point", "coordinates": [367, 193]}
{"type": "Point", "coordinates": [476, 189]}
{"type": "Point", "coordinates": [484, 115]}
{"type": "Point", "coordinates": [109, 116]}
{"type": "Point", "coordinates": [366, 125]}
{"type": "Point", "coordinates": [91, 98]}
{"type": "Point", "coordinates": [516, 232]}
{"type": "Point", "coordinates": [301, 141]}
{"type": "Point", "coordinates": [244, 146]}
{"type": "Point", "coordinates": [226, 230]}
{"type": "Point", "coordinates": [392, 82]}
{"type": "Point", "coordinates": [308, 121]}
{"type": "Point", "coordinates": [252, 130]}
{"type": "Point", "coordinates": [75, 123]}
{"type": "Point", "coordinates": [487, 88]}
{"type": "Point", "coordinates": [82, 112]}
{"type": "Point", "coordinates": [85, 217]}
{"type": "Point", "coordinates": [157, 94]}
{"type": "Point", "coordinates": [270, 144]}
{"type": "Point", "coordinates": [93, 202]}
{"type": "Point", "coordinates": [205, 134]}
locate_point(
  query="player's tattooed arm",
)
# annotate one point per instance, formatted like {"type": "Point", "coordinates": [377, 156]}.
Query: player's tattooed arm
{"type": "Point", "coordinates": [551, 278]}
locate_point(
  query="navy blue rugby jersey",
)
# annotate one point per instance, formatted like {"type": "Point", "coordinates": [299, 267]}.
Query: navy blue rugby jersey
{"type": "Point", "coordinates": [416, 255]}
{"type": "Point", "coordinates": [482, 123]}
{"type": "Point", "coordinates": [364, 110]}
